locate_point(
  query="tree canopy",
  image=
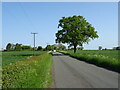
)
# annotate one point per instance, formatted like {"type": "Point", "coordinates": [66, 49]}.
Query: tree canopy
{"type": "Point", "coordinates": [17, 47]}
{"type": "Point", "coordinates": [48, 47]}
{"type": "Point", "coordinates": [25, 47]}
{"type": "Point", "coordinates": [9, 46]}
{"type": "Point", "coordinates": [75, 31]}
{"type": "Point", "coordinates": [39, 48]}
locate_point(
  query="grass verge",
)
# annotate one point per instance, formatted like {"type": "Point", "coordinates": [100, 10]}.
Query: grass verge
{"type": "Point", "coordinates": [108, 63]}
{"type": "Point", "coordinates": [34, 72]}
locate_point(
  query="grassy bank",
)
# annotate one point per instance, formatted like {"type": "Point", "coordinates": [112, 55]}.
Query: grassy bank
{"type": "Point", "coordinates": [34, 72]}
{"type": "Point", "coordinates": [0, 77]}
{"type": "Point", "coordinates": [108, 60]}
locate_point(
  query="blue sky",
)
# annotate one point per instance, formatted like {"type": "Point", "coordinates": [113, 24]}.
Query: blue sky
{"type": "Point", "coordinates": [20, 19]}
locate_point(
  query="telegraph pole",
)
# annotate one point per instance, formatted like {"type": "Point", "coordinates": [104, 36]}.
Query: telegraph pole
{"type": "Point", "coordinates": [34, 43]}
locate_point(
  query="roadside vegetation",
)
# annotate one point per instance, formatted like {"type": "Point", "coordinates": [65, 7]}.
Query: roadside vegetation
{"type": "Point", "coordinates": [104, 58]}
{"type": "Point", "coordinates": [34, 72]}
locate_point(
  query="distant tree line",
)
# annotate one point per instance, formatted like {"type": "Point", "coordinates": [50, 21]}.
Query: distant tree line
{"type": "Point", "coordinates": [55, 47]}
{"type": "Point", "coordinates": [116, 48]}
{"type": "Point", "coordinates": [78, 48]}
{"type": "Point", "coordinates": [17, 47]}
{"type": "Point", "coordinates": [20, 47]}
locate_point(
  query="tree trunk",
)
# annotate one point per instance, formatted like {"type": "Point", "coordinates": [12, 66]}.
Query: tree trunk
{"type": "Point", "coordinates": [75, 48]}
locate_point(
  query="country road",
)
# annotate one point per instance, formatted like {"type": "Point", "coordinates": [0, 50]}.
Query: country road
{"type": "Point", "coordinates": [72, 73]}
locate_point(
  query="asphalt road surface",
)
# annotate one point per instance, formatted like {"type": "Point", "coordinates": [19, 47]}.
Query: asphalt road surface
{"type": "Point", "coordinates": [72, 73]}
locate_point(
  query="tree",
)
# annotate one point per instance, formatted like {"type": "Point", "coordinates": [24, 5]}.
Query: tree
{"type": "Point", "coordinates": [39, 48]}
{"type": "Point", "coordinates": [12, 47]}
{"type": "Point", "coordinates": [80, 48]}
{"type": "Point", "coordinates": [54, 47]}
{"type": "Point", "coordinates": [100, 47]}
{"type": "Point", "coordinates": [18, 47]}
{"type": "Point", "coordinates": [75, 31]}
{"type": "Point", "coordinates": [26, 47]}
{"type": "Point", "coordinates": [49, 47]}
{"type": "Point", "coordinates": [118, 48]}
{"type": "Point", "coordinates": [9, 46]}
{"type": "Point", "coordinates": [61, 47]}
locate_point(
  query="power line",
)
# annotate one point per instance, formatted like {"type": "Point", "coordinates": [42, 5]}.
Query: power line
{"type": "Point", "coordinates": [27, 16]}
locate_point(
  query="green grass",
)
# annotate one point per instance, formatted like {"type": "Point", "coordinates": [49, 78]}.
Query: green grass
{"type": "Point", "coordinates": [34, 72]}
{"type": "Point", "coordinates": [102, 53]}
{"type": "Point", "coordinates": [0, 77]}
{"type": "Point", "coordinates": [10, 57]}
{"type": "Point", "coordinates": [104, 58]}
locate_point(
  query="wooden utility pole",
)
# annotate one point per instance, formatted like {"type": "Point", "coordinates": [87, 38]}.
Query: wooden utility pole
{"type": "Point", "coordinates": [34, 43]}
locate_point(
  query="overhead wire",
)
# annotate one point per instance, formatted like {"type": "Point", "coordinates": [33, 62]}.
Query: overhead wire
{"type": "Point", "coordinates": [27, 18]}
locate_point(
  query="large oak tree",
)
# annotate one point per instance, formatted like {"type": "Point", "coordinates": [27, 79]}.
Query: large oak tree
{"type": "Point", "coordinates": [75, 31]}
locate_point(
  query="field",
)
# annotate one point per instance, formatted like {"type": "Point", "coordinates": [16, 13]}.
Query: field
{"type": "Point", "coordinates": [102, 53]}
{"type": "Point", "coordinates": [10, 57]}
{"type": "Point", "coordinates": [104, 58]}
{"type": "Point", "coordinates": [21, 70]}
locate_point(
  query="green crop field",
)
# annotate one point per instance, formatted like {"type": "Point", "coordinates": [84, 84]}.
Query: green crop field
{"type": "Point", "coordinates": [102, 53]}
{"type": "Point", "coordinates": [10, 57]}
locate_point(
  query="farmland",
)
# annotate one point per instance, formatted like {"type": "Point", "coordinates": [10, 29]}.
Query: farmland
{"type": "Point", "coordinates": [10, 57]}
{"type": "Point", "coordinates": [22, 70]}
{"type": "Point", "coordinates": [105, 53]}
{"type": "Point", "coordinates": [105, 58]}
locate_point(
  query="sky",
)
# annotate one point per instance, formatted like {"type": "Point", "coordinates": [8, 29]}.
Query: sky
{"type": "Point", "coordinates": [21, 18]}
{"type": "Point", "coordinates": [60, 0]}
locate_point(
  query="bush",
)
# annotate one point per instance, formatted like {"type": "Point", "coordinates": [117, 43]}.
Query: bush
{"type": "Point", "coordinates": [39, 48]}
